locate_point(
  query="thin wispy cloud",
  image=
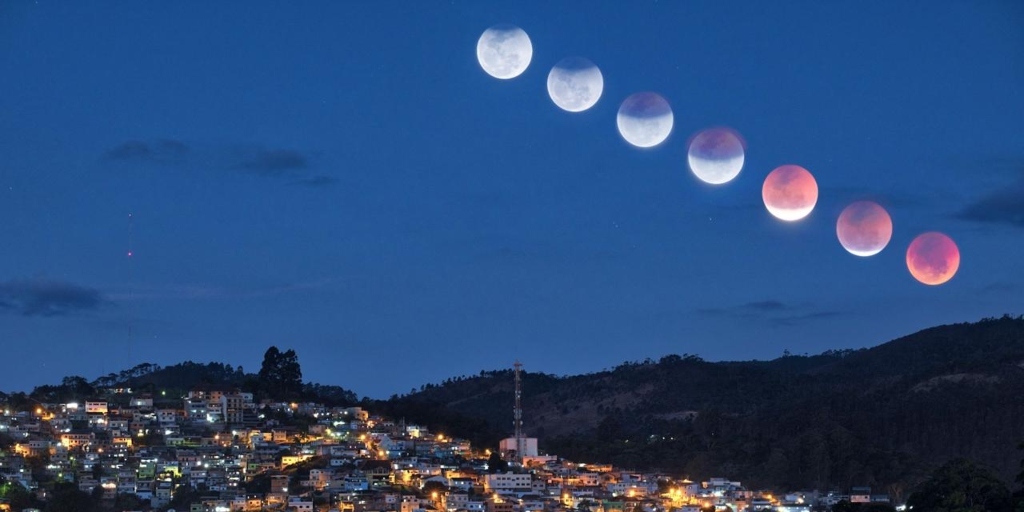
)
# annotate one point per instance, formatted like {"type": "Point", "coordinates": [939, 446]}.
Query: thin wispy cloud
{"type": "Point", "coordinates": [889, 199]}
{"type": "Point", "coordinates": [290, 164]}
{"type": "Point", "coordinates": [766, 305]}
{"type": "Point", "coordinates": [319, 181]}
{"type": "Point", "coordinates": [748, 309]}
{"type": "Point", "coordinates": [789, 320]}
{"type": "Point", "coordinates": [273, 162]}
{"type": "Point", "coordinates": [1000, 288]}
{"type": "Point", "coordinates": [162, 151]}
{"type": "Point", "coordinates": [1004, 206]}
{"type": "Point", "coordinates": [47, 298]}
{"type": "Point", "coordinates": [213, 292]}
{"type": "Point", "coordinates": [774, 312]}
{"type": "Point", "coordinates": [970, 164]}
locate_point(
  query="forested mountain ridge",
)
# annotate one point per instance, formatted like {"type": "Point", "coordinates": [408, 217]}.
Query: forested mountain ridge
{"type": "Point", "coordinates": [279, 377]}
{"type": "Point", "coordinates": [883, 416]}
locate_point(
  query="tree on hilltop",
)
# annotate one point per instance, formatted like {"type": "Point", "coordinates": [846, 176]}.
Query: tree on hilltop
{"type": "Point", "coordinates": [280, 375]}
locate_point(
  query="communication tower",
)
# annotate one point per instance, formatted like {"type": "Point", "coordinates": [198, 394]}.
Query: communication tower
{"type": "Point", "coordinates": [518, 414]}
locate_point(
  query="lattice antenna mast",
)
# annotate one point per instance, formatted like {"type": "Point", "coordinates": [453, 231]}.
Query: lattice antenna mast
{"type": "Point", "coordinates": [131, 285]}
{"type": "Point", "coordinates": [518, 414]}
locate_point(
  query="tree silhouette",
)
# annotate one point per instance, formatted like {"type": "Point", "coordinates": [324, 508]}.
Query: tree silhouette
{"type": "Point", "coordinates": [67, 498]}
{"type": "Point", "coordinates": [280, 375]}
{"type": "Point", "coordinates": [1020, 476]}
{"type": "Point", "coordinates": [495, 464]}
{"type": "Point", "coordinates": [962, 486]}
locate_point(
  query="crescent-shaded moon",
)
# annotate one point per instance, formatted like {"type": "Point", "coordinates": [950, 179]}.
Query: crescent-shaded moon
{"type": "Point", "coordinates": [644, 119]}
{"type": "Point", "coordinates": [575, 84]}
{"type": "Point", "coordinates": [716, 155]}
{"type": "Point", "coordinates": [864, 228]}
{"type": "Point", "coordinates": [504, 51]}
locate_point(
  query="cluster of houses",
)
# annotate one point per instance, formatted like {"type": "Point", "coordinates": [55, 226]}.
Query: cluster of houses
{"type": "Point", "coordinates": [231, 454]}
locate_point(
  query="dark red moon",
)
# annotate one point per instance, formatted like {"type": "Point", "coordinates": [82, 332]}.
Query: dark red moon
{"type": "Point", "coordinates": [933, 258]}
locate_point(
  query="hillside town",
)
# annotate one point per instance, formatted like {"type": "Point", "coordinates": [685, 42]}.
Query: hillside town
{"type": "Point", "coordinates": [219, 450]}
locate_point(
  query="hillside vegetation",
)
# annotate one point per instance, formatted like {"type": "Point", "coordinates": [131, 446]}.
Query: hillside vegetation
{"type": "Point", "coordinates": [884, 416]}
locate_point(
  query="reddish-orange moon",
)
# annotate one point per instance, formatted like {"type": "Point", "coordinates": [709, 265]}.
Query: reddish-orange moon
{"type": "Point", "coordinates": [864, 228]}
{"type": "Point", "coordinates": [789, 192]}
{"type": "Point", "coordinates": [933, 258]}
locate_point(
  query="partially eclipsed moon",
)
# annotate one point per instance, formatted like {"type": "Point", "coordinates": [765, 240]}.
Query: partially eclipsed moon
{"type": "Point", "coordinates": [716, 155]}
{"type": "Point", "coordinates": [575, 84]}
{"type": "Point", "coordinates": [504, 51]}
{"type": "Point", "coordinates": [644, 119]}
{"type": "Point", "coordinates": [864, 228]}
{"type": "Point", "coordinates": [933, 258]}
{"type": "Point", "coordinates": [789, 192]}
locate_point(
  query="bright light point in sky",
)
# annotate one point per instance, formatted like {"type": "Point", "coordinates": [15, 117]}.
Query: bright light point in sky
{"type": "Point", "coordinates": [864, 228]}
{"type": "Point", "coordinates": [716, 155]}
{"type": "Point", "coordinates": [575, 84]}
{"type": "Point", "coordinates": [645, 119]}
{"type": "Point", "coordinates": [504, 51]}
{"type": "Point", "coordinates": [933, 258]}
{"type": "Point", "coordinates": [789, 192]}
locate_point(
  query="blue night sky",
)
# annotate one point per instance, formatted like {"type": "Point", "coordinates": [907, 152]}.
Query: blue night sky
{"type": "Point", "coordinates": [344, 179]}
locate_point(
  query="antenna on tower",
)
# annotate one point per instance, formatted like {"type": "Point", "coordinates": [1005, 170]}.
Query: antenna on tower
{"type": "Point", "coordinates": [131, 285]}
{"type": "Point", "coordinates": [518, 414]}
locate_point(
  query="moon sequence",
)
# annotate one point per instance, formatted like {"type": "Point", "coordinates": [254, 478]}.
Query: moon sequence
{"type": "Point", "coordinates": [504, 51]}
{"type": "Point", "coordinates": [789, 193]}
{"type": "Point", "coordinates": [933, 258]}
{"type": "Point", "coordinates": [864, 228]}
{"type": "Point", "coordinates": [644, 119]}
{"type": "Point", "coordinates": [716, 155]}
{"type": "Point", "coordinates": [575, 84]}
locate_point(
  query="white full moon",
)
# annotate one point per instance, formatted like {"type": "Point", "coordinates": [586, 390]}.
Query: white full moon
{"type": "Point", "coordinates": [575, 84]}
{"type": "Point", "coordinates": [504, 51]}
{"type": "Point", "coordinates": [644, 119]}
{"type": "Point", "coordinates": [716, 155]}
